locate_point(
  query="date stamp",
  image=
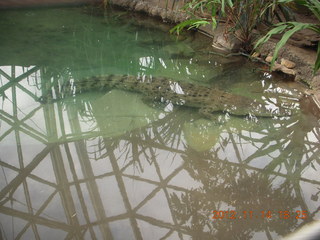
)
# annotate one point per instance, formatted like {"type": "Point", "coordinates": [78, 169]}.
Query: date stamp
{"type": "Point", "coordinates": [285, 214]}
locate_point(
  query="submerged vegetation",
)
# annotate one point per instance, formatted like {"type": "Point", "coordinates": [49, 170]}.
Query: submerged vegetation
{"type": "Point", "coordinates": [244, 18]}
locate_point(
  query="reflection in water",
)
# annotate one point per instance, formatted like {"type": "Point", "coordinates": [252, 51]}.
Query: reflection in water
{"type": "Point", "coordinates": [79, 168]}
{"type": "Point", "coordinates": [106, 165]}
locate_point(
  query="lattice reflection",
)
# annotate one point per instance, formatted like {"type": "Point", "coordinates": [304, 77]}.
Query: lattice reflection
{"type": "Point", "coordinates": [65, 175]}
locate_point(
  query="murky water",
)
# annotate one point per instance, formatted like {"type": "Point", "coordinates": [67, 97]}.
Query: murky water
{"type": "Point", "coordinates": [108, 165]}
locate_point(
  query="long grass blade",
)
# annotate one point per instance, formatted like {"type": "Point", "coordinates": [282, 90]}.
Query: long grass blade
{"type": "Point", "coordinates": [296, 27]}
{"type": "Point", "coordinates": [277, 30]}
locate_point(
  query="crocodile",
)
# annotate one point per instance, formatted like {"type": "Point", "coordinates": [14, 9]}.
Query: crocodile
{"type": "Point", "coordinates": [208, 100]}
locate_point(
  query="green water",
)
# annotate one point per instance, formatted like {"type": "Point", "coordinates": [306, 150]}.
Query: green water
{"type": "Point", "coordinates": [109, 165]}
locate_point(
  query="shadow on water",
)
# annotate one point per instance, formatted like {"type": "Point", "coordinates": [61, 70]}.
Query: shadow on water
{"type": "Point", "coordinates": [106, 165]}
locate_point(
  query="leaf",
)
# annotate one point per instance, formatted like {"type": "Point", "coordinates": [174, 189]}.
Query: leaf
{"type": "Point", "coordinates": [285, 1]}
{"type": "Point", "coordinates": [276, 30]}
{"type": "Point", "coordinates": [198, 24]}
{"type": "Point", "coordinates": [287, 12]}
{"type": "Point", "coordinates": [230, 3]}
{"type": "Point", "coordinates": [191, 23]}
{"type": "Point", "coordinates": [223, 5]}
{"type": "Point", "coordinates": [214, 22]}
{"type": "Point", "coordinates": [315, 8]}
{"type": "Point", "coordinates": [313, 5]}
{"type": "Point", "coordinates": [296, 27]}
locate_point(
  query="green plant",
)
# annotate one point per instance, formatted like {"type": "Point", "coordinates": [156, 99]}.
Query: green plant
{"type": "Point", "coordinates": [289, 28]}
{"type": "Point", "coordinates": [241, 16]}
{"type": "Point", "coordinates": [202, 12]}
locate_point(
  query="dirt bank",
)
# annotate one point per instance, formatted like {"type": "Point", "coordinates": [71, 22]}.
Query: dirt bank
{"type": "Point", "coordinates": [295, 59]}
{"type": "Point", "coordinates": [168, 10]}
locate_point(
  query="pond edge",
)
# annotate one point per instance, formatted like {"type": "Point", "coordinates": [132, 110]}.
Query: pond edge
{"type": "Point", "coordinates": [303, 59]}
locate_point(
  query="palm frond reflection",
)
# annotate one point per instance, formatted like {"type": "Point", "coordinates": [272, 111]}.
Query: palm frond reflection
{"type": "Point", "coordinates": [111, 160]}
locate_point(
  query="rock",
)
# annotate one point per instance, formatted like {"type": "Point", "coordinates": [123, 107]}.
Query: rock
{"type": "Point", "coordinates": [155, 11]}
{"type": "Point", "coordinates": [316, 83]}
{"type": "Point", "coordinates": [269, 59]}
{"type": "Point", "coordinates": [287, 63]}
{"type": "Point", "coordinates": [255, 55]}
{"type": "Point", "coordinates": [288, 71]}
{"type": "Point", "coordinates": [227, 43]}
{"type": "Point", "coordinates": [281, 68]}
{"type": "Point", "coordinates": [140, 6]}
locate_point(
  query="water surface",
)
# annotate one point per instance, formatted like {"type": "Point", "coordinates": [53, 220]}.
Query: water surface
{"type": "Point", "coordinates": [109, 165]}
